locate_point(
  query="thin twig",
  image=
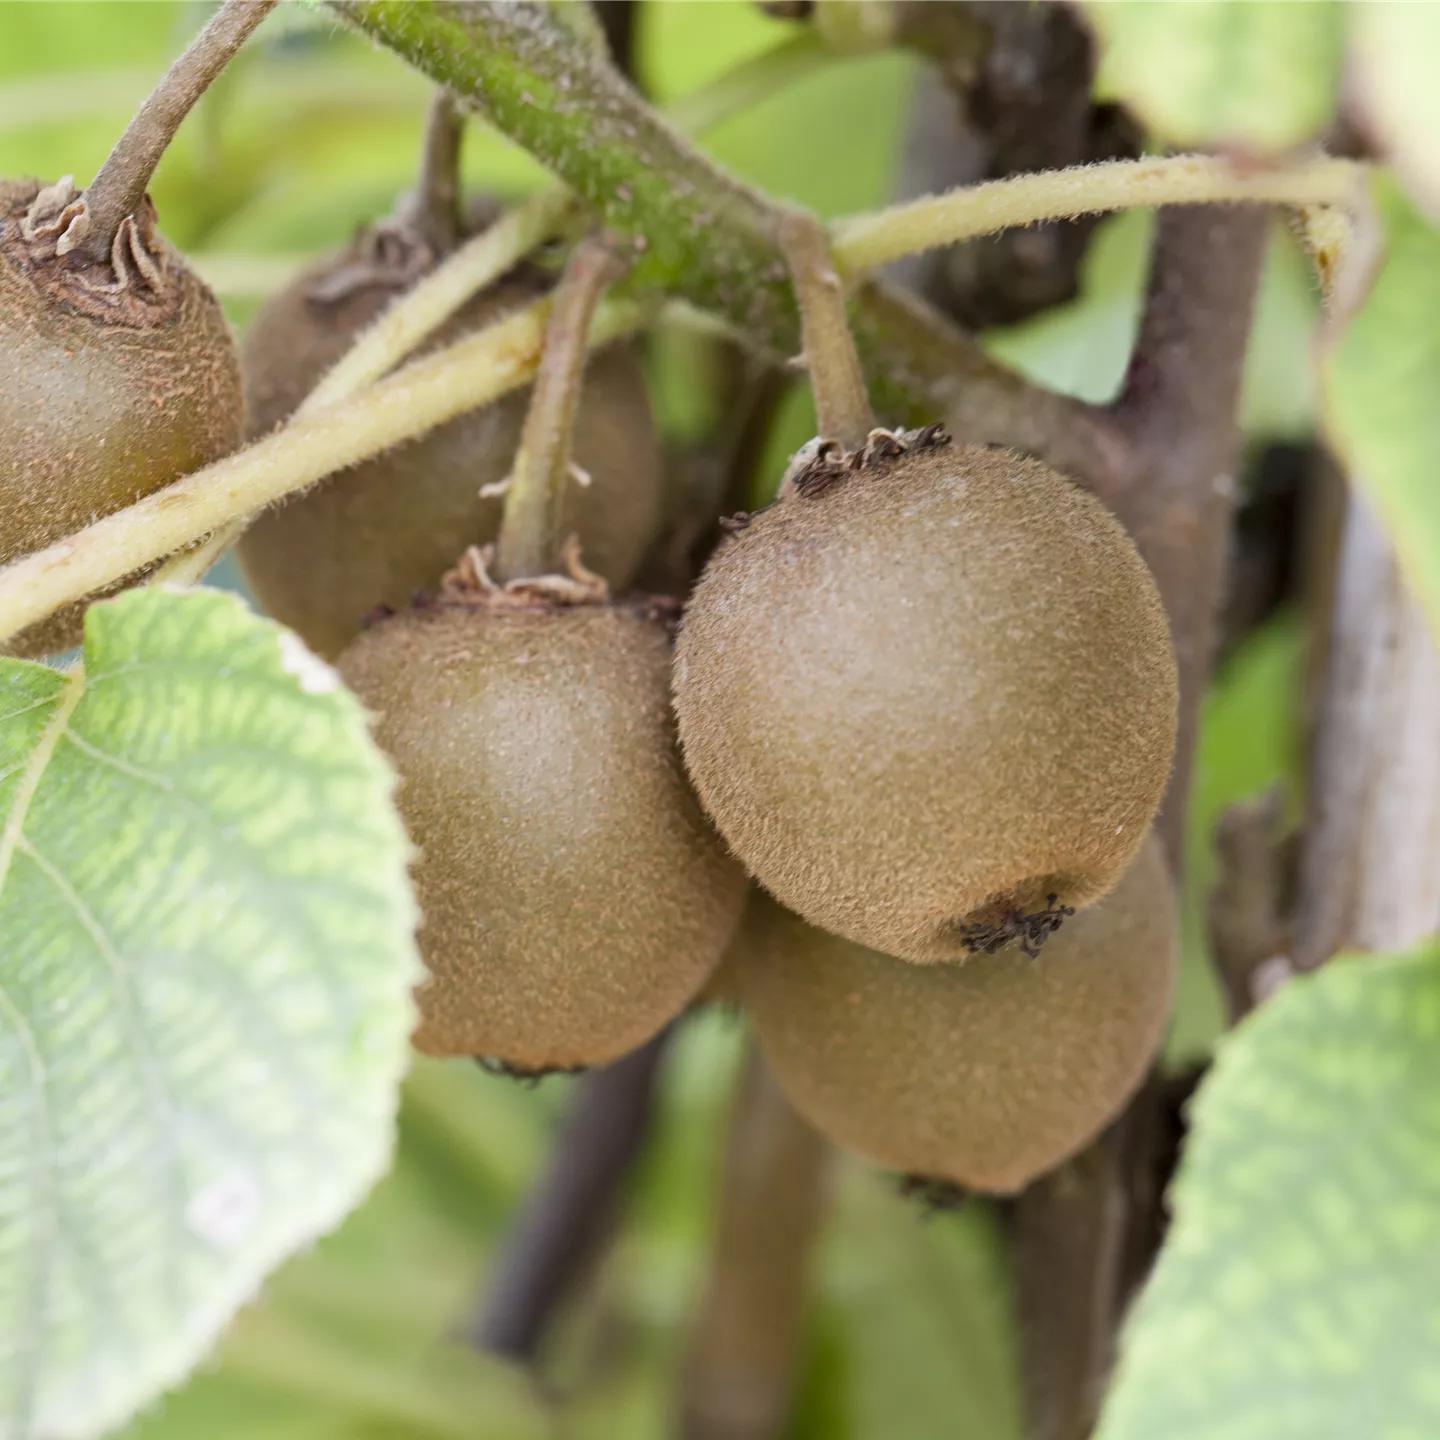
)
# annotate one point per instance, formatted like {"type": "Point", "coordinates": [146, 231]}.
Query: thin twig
{"type": "Point", "coordinates": [706, 238]}
{"type": "Point", "coordinates": [120, 185]}
{"type": "Point", "coordinates": [862, 242]}
{"type": "Point", "coordinates": [434, 208]}
{"type": "Point", "coordinates": [567, 1217]}
{"type": "Point", "coordinates": [740, 1372]}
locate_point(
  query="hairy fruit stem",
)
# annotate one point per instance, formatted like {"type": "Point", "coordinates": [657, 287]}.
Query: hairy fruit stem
{"type": "Point", "coordinates": [531, 542]}
{"type": "Point", "coordinates": [842, 404]}
{"type": "Point", "coordinates": [119, 187]}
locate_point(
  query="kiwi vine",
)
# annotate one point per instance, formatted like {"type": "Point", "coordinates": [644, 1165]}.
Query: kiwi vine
{"type": "Point", "coordinates": [840, 763]}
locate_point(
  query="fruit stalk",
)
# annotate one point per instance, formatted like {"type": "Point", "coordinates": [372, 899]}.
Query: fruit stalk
{"type": "Point", "coordinates": [531, 541]}
{"type": "Point", "coordinates": [120, 185]}
{"type": "Point", "coordinates": [842, 404]}
{"type": "Point", "coordinates": [740, 1372]}
{"type": "Point", "coordinates": [434, 209]}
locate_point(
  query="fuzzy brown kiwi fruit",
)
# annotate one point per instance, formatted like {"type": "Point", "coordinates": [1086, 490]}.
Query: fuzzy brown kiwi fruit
{"type": "Point", "coordinates": [118, 373]}
{"type": "Point", "coordinates": [574, 898]}
{"type": "Point", "coordinates": [116, 377]}
{"type": "Point", "coordinates": [378, 532]}
{"type": "Point", "coordinates": [929, 696]}
{"type": "Point", "coordinates": [982, 1074]}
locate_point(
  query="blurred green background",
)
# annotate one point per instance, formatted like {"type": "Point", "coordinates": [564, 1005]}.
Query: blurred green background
{"type": "Point", "coordinates": [308, 136]}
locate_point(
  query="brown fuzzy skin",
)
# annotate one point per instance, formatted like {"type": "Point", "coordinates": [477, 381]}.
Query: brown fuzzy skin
{"type": "Point", "coordinates": [96, 413]}
{"type": "Point", "coordinates": [939, 690]}
{"type": "Point", "coordinates": [395, 524]}
{"type": "Point", "coordinates": [985, 1073]}
{"type": "Point", "coordinates": [574, 896]}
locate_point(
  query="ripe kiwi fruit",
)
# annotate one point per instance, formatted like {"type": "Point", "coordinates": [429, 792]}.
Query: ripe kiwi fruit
{"type": "Point", "coordinates": [574, 898]}
{"type": "Point", "coordinates": [118, 372]}
{"type": "Point", "coordinates": [929, 696]}
{"type": "Point", "coordinates": [982, 1074]}
{"type": "Point", "coordinates": [378, 532]}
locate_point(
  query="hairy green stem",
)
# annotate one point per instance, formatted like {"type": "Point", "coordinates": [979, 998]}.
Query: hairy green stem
{"type": "Point", "coordinates": [701, 234]}
{"type": "Point", "coordinates": [864, 241]}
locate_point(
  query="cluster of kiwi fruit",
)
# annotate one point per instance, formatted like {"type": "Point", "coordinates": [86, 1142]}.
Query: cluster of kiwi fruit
{"type": "Point", "coordinates": [926, 701]}
{"type": "Point", "coordinates": [929, 699]}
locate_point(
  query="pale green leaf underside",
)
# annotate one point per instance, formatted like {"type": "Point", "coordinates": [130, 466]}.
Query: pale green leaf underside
{"type": "Point", "coordinates": [1298, 1295]}
{"type": "Point", "coordinates": [1396, 50]}
{"type": "Point", "coordinates": [1258, 74]}
{"type": "Point", "coordinates": [206, 951]}
{"type": "Point", "coordinates": [1381, 397]}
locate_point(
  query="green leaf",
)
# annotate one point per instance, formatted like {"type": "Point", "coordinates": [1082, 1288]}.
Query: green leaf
{"type": "Point", "coordinates": [362, 1337]}
{"type": "Point", "coordinates": [1299, 1292]}
{"type": "Point", "coordinates": [1258, 74]}
{"type": "Point", "coordinates": [1379, 386]}
{"type": "Point", "coordinates": [1395, 51]}
{"type": "Point", "coordinates": [206, 954]}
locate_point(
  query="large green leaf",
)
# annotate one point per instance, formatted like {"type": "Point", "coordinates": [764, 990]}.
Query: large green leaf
{"type": "Point", "coordinates": [1258, 74]}
{"type": "Point", "coordinates": [206, 954]}
{"type": "Point", "coordinates": [1299, 1292]}
{"type": "Point", "coordinates": [1396, 50]}
{"type": "Point", "coordinates": [1380, 385]}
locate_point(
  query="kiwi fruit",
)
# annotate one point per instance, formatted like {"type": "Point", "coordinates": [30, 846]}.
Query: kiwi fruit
{"type": "Point", "coordinates": [118, 373]}
{"type": "Point", "coordinates": [929, 696]}
{"type": "Point", "coordinates": [574, 898]}
{"type": "Point", "coordinates": [982, 1074]}
{"type": "Point", "coordinates": [373, 535]}
{"type": "Point", "coordinates": [117, 377]}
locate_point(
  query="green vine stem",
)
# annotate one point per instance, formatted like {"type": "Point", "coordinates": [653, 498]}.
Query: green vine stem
{"type": "Point", "coordinates": [704, 236]}
{"type": "Point", "coordinates": [531, 540]}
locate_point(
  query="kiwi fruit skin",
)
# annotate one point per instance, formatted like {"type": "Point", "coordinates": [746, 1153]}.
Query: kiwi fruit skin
{"type": "Point", "coordinates": [574, 897]}
{"type": "Point", "coordinates": [393, 525]}
{"type": "Point", "coordinates": [101, 402]}
{"type": "Point", "coordinates": [984, 1073]}
{"type": "Point", "coordinates": [940, 690]}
